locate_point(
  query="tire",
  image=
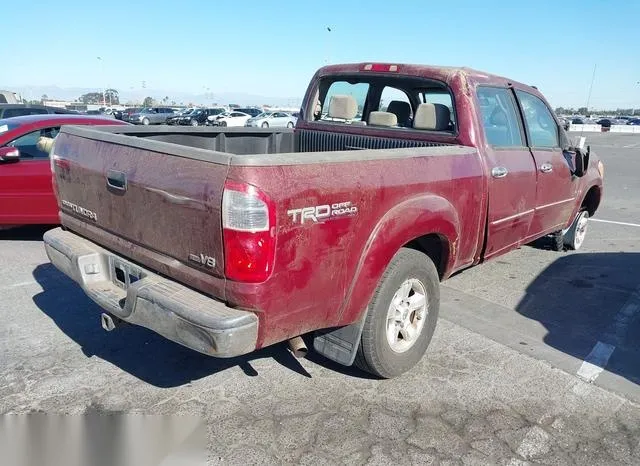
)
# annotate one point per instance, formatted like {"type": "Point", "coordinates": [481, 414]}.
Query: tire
{"type": "Point", "coordinates": [223, 123]}
{"type": "Point", "coordinates": [145, 121]}
{"type": "Point", "coordinates": [383, 350]}
{"type": "Point", "coordinates": [194, 122]}
{"type": "Point", "coordinates": [557, 241]}
{"type": "Point", "coordinates": [265, 125]}
{"type": "Point", "coordinates": [574, 236]}
{"type": "Point", "coordinates": [289, 125]}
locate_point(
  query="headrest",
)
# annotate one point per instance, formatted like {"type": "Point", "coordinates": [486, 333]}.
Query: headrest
{"type": "Point", "coordinates": [342, 106]}
{"type": "Point", "coordinates": [498, 117]}
{"type": "Point", "coordinates": [432, 116]}
{"type": "Point", "coordinates": [382, 119]}
{"type": "Point", "coordinates": [401, 109]}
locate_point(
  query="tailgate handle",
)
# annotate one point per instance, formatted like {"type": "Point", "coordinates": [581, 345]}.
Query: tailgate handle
{"type": "Point", "coordinates": [117, 180]}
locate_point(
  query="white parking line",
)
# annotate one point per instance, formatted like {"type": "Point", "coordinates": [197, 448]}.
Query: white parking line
{"type": "Point", "coordinates": [18, 285]}
{"type": "Point", "coordinates": [595, 362]}
{"type": "Point", "coordinates": [598, 358]}
{"type": "Point", "coordinates": [631, 146]}
{"type": "Point", "coordinates": [626, 224]}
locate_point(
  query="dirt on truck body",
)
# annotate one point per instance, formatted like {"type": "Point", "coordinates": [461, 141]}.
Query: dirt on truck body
{"type": "Point", "coordinates": [395, 177]}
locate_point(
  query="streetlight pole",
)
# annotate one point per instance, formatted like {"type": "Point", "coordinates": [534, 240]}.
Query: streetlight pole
{"type": "Point", "coordinates": [104, 99]}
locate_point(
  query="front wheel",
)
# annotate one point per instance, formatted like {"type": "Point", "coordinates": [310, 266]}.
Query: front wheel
{"type": "Point", "coordinates": [290, 125]}
{"type": "Point", "coordinates": [145, 122]}
{"type": "Point", "coordinates": [194, 122]}
{"type": "Point", "coordinates": [574, 236]}
{"type": "Point", "coordinates": [402, 316]}
{"type": "Point", "coordinates": [265, 125]}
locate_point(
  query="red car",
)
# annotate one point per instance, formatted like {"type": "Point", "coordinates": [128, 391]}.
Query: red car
{"type": "Point", "coordinates": [26, 192]}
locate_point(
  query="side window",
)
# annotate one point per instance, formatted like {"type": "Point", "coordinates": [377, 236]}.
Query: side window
{"type": "Point", "coordinates": [357, 91]}
{"type": "Point", "coordinates": [499, 117]}
{"type": "Point", "coordinates": [542, 128]}
{"type": "Point", "coordinates": [27, 144]}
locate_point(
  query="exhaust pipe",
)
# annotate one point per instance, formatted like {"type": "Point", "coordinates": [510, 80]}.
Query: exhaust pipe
{"type": "Point", "coordinates": [297, 347]}
{"type": "Point", "coordinates": [110, 322]}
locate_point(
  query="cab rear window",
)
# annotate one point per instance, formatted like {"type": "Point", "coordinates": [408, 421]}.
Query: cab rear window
{"type": "Point", "coordinates": [398, 102]}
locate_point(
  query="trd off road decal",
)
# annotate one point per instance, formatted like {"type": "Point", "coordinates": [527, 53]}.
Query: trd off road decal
{"type": "Point", "coordinates": [322, 213]}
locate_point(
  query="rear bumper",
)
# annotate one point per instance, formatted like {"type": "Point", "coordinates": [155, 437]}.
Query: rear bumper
{"type": "Point", "coordinates": [139, 296]}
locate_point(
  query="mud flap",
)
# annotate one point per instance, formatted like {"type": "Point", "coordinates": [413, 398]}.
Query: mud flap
{"type": "Point", "coordinates": [340, 344]}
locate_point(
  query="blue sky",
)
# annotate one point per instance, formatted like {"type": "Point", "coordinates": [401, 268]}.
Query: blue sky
{"type": "Point", "coordinates": [272, 48]}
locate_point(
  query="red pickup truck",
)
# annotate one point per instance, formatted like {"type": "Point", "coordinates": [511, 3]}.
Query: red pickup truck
{"type": "Point", "coordinates": [395, 177]}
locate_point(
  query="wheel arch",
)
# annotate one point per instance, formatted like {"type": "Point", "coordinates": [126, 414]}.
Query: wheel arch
{"type": "Point", "coordinates": [428, 224]}
{"type": "Point", "coordinates": [591, 200]}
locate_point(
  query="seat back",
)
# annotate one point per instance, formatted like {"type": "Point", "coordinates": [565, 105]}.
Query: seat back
{"type": "Point", "coordinates": [402, 111]}
{"type": "Point", "coordinates": [432, 117]}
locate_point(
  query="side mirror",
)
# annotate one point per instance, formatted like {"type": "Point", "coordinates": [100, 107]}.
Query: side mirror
{"type": "Point", "coordinates": [9, 154]}
{"type": "Point", "coordinates": [578, 160]}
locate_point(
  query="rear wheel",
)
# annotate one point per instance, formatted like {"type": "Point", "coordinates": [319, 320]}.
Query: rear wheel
{"type": "Point", "coordinates": [402, 316]}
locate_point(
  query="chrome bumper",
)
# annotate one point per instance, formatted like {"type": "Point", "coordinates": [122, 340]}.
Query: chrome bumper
{"type": "Point", "coordinates": [139, 296]}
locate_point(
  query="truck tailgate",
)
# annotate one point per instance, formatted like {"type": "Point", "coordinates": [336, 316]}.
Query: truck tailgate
{"type": "Point", "coordinates": [165, 203]}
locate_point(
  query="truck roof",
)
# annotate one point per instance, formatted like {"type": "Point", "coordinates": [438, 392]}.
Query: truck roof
{"type": "Point", "coordinates": [442, 73]}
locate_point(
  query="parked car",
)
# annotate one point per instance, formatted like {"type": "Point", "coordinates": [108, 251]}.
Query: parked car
{"type": "Point", "coordinates": [253, 111]}
{"type": "Point", "coordinates": [605, 122]}
{"type": "Point", "coordinates": [634, 121]}
{"type": "Point", "coordinates": [14, 110]}
{"type": "Point", "coordinates": [26, 193]}
{"type": "Point", "coordinates": [343, 227]}
{"type": "Point", "coordinates": [175, 118]}
{"type": "Point", "coordinates": [127, 112]}
{"type": "Point", "coordinates": [200, 116]}
{"type": "Point", "coordinates": [272, 120]}
{"type": "Point", "coordinates": [149, 116]}
{"type": "Point", "coordinates": [231, 119]}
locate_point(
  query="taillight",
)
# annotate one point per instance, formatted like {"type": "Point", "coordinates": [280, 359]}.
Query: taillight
{"type": "Point", "coordinates": [54, 161]}
{"type": "Point", "coordinates": [248, 224]}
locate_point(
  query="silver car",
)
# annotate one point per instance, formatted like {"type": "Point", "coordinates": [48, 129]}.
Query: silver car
{"type": "Point", "coordinates": [151, 116]}
{"type": "Point", "coordinates": [272, 119]}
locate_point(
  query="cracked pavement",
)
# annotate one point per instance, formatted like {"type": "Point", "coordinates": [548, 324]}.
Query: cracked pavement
{"type": "Point", "coordinates": [496, 390]}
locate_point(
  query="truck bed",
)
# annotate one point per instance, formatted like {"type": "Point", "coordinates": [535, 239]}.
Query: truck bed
{"type": "Point", "coordinates": [168, 209]}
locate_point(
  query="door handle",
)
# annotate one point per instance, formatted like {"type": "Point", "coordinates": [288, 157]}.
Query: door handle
{"type": "Point", "coordinates": [499, 172]}
{"type": "Point", "coordinates": [546, 168]}
{"type": "Point", "coordinates": [117, 180]}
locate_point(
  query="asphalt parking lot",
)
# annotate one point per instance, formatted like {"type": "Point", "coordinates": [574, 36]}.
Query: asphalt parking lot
{"type": "Point", "coordinates": [514, 375]}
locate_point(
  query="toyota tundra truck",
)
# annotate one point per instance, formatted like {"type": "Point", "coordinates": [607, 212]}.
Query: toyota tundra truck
{"type": "Point", "coordinates": [227, 240]}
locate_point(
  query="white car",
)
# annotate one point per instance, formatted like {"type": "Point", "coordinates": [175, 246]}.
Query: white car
{"type": "Point", "coordinates": [231, 119]}
{"type": "Point", "coordinates": [272, 119]}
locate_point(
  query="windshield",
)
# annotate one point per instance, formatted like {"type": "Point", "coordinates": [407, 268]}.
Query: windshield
{"type": "Point", "coordinates": [187, 112]}
{"type": "Point", "coordinates": [146, 110]}
{"type": "Point", "coordinates": [265, 115]}
{"type": "Point", "coordinates": [196, 112]}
